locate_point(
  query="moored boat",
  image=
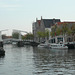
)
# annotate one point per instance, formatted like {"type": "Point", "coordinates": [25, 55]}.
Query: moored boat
{"type": "Point", "coordinates": [2, 52]}
{"type": "Point", "coordinates": [44, 45]}
{"type": "Point", "coordinates": [58, 46]}
{"type": "Point", "coordinates": [71, 45]}
{"type": "Point", "coordinates": [33, 43]}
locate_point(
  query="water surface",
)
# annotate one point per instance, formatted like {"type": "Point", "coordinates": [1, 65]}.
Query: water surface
{"type": "Point", "coordinates": [30, 60]}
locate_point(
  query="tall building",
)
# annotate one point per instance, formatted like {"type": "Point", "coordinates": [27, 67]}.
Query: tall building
{"type": "Point", "coordinates": [41, 26]}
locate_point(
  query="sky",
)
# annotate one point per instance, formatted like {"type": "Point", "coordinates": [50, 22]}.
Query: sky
{"type": "Point", "coordinates": [20, 14]}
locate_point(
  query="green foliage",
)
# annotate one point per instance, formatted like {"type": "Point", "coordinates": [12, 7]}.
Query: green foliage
{"type": "Point", "coordinates": [15, 35]}
{"type": "Point", "coordinates": [64, 28]}
{"type": "Point", "coordinates": [52, 34]}
{"type": "Point", "coordinates": [73, 29]}
{"type": "Point", "coordinates": [69, 32]}
{"type": "Point", "coordinates": [28, 36]}
{"type": "Point", "coordinates": [58, 31]}
{"type": "Point", "coordinates": [47, 34]}
{"type": "Point", "coordinates": [40, 34]}
{"type": "Point", "coordinates": [53, 31]}
{"type": "Point", "coordinates": [43, 34]}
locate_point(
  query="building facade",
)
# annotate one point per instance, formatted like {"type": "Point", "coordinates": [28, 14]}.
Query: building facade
{"type": "Point", "coordinates": [63, 31]}
{"type": "Point", "coordinates": [41, 26]}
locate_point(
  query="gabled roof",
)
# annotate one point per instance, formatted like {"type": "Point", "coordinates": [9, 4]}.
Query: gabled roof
{"type": "Point", "coordinates": [49, 22]}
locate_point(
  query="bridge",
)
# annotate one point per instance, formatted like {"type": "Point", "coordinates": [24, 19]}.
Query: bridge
{"type": "Point", "coordinates": [19, 31]}
{"type": "Point", "coordinates": [10, 40]}
{"type": "Point", "coordinates": [19, 42]}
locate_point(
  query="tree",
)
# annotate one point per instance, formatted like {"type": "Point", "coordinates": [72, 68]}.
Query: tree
{"type": "Point", "coordinates": [31, 36]}
{"type": "Point", "coordinates": [64, 28]}
{"type": "Point", "coordinates": [53, 31]}
{"type": "Point", "coordinates": [69, 32]}
{"type": "Point", "coordinates": [73, 28]}
{"type": "Point", "coordinates": [28, 36]}
{"type": "Point", "coordinates": [43, 35]}
{"type": "Point", "coordinates": [52, 34]}
{"type": "Point", "coordinates": [15, 35]}
{"type": "Point", "coordinates": [39, 35]}
{"type": "Point", "coordinates": [47, 34]}
{"type": "Point", "coordinates": [73, 31]}
{"type": "Point", "coordinates": [58, 31]}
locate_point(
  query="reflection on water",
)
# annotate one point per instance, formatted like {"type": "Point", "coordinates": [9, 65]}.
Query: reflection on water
{"type": "Point", "coordinates": [37, 61]}
{"type": "Point", "coordinates": [54, 62]}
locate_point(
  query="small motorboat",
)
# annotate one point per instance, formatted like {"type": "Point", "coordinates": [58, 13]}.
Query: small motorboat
{"type": "Point", "coordinates": [58, 46]}
{"type": "Point", "coordinates": [43, 45]}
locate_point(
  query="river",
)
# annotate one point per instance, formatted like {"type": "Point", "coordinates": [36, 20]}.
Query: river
{"type": "Point", "coordinates": [30, 60]}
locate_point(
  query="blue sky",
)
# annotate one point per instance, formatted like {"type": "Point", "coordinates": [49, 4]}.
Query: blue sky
{"type": "Point", "coordinates": [20, 14]}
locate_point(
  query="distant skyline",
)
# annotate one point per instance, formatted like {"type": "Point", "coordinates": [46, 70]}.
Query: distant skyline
{"type": "Point", "coordinates": [20, 14]}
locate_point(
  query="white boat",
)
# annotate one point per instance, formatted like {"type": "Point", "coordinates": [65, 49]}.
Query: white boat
{"type": "Point", "coordinates": [14, 43]}
{"type": "Point", "coordinates": [58, 46]}
{"type": "Point", "coordinates": [43, 45]}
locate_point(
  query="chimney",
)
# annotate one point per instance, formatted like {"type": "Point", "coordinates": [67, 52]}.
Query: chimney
{"type": "Point", "coordinates": [41, 17]}
{"type": "Point", "coordinates": [53, 20]}
{"type": "Point", "coordinates": [36, 19]}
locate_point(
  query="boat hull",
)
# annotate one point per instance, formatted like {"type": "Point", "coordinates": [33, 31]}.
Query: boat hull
{"type": "Point", "coordinates": [2, 52]}
{"type": "Point", "coordinates": [58, 46]}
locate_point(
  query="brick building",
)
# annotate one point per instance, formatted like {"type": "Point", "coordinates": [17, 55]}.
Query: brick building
{"type": "Point", "coordinates": [42, 25]}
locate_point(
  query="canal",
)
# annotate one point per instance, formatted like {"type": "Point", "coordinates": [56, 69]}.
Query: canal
{"type": "Point", "coordinates": [30, 60]}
